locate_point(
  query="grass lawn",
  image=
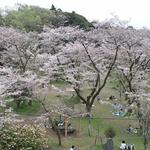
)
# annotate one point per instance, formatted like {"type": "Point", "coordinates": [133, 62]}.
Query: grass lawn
{"type": "Point", "coordinates": [83, 141]}
{"type": "Point", "coordinates": [101, 112]}
{"type": "Point", "coordinates": [99, 124]}
{"type": "Point", "coordinates": [26, 109]}
{"type": "Point", "coordinates": [59, 83]}
{"type": "Point", "coordinates": [84, 126]}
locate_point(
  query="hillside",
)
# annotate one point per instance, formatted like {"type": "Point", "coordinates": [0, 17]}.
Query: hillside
{"type": "Point", "coordinates": [33, 18]}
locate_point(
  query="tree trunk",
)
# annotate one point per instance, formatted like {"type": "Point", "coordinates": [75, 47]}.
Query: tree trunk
{"type": "Point", "coordinates": [53, 125]}
{"type": "Point", "coordinates": [56, 130]}
{"type": "Point", "coordinates": [66, 127]}
{"type": "Point", "coordinates": [79, 125]}
{"type": "Point", "coordinates": [89, 126]}
{"type": "Point", "coordinates": [59, 136]}
{"type": "Point", "coordinates": [130, 86]}
{"type": "Point", "coordinates": [120, 92]}
{"type": "Point", "coordinates": [18, 103]}
{"type": "Point", "coordinates": [145, 143]}
{"type": "Point", "coordinates": [30, 102]}
{"type": "Point", "coordinates": [88, 109]}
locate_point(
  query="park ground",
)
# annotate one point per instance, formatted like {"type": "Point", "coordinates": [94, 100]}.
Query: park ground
{"type": "Point", "coordinates": [89, 132]}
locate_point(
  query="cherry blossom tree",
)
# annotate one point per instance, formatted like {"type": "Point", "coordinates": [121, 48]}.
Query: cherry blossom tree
{"type": "Point", "coordinates": [87, 58]}
{"type": "Point", "coordinates": [133, 60]}
{"type": "Point", "coordinates": [18, 49]}
{"type": "Point", "coordinates": [133, 67]}
{"type": "Point", "coordinates": [6, 79]}
{"type": "Point", "coordinates": [19, 87]}
{"type": "Point", "coordinates": [142, 98]}
{"type": "Point", "coordinates": [53, 111]}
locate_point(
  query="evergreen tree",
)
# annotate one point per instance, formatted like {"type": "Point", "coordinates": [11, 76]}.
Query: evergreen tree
{"type": "Point", "coordinates": [53, 8]}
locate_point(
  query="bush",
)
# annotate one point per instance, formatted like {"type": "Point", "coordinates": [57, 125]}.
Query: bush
{"type": "Point", "coordinates": [27, 137]}
{"type": "Point", "coordinates": [78, 20]}
{"type": "Point", "coordinates": [110, 133]}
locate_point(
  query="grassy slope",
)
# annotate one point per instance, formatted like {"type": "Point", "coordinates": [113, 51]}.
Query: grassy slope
{"type": "Point", "coordinates": [82, 140]}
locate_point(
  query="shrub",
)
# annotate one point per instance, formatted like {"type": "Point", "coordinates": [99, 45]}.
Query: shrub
{"type": "Point", "coordinates": [26, 137]}
{"type": "Point", "coordinates": [110, 132]}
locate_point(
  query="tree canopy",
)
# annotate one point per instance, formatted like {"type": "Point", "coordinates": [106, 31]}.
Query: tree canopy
{"type": "Point", "coordinates": [33, 18]}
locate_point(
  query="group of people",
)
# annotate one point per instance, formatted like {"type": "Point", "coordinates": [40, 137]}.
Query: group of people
{"type": "Point", "coordinates": [124, 146]}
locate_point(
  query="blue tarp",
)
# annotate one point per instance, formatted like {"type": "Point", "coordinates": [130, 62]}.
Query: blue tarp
{"type": "Point", "coordinates": [119, 113]}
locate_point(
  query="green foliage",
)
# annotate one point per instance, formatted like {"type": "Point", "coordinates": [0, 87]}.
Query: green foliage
{"type": "Point", "coordinates": [1, 19]}
{"type": "Point", "coordinates": [33, 18]}
{"type": "Point", "coordinates": [29, 18]}
{"type": "Point", "coordinates": [27, 137]}
{"type": "Point", "coordinates": [25, 108]}
{"type": "Point", "coordinates": [78, 20]}
{"type": "Point", "coordinates": [110, 132]}
{"type": "Point", "coordinates": [53, 7]}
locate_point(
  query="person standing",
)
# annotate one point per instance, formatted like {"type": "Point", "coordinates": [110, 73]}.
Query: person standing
{"type": "Point", "coordinates": [98, 98]}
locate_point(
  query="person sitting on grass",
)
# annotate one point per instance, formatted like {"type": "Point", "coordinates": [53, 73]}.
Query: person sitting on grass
{"type": "Point", "coordinates": [131, 129]}
{"type": "Point", "coordinates": [123, 146]}
{"type": "Point", "coordinates": [131, 147]}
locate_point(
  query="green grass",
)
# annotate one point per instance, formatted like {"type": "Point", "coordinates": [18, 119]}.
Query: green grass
{"type": "Point", "coordinates": [59, 83]}
{"type": "Point", "coordinates": [82, 140]}
{"type": "Point", "coordinates": [98, 147]}
{"type": "Point", "coordinates": [113, 83]}
{"type": "Point", "coordinates": [53, 145]}
{"type": "Point", "coordinates": [2, 109]}
{"type": "Point", "coordinates": [25, 108]}
{"type": "Point", "coordinates": [70, 101]}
